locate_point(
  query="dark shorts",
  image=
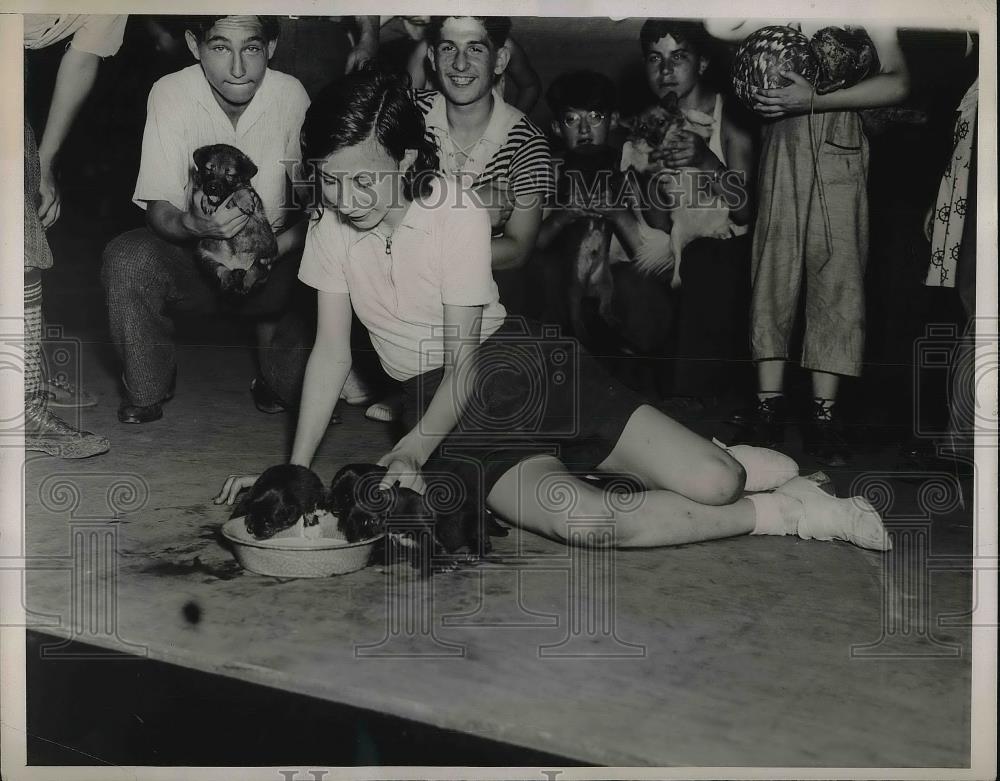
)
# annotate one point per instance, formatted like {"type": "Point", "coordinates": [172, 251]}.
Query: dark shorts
{"type": "Point", "coordinates": [538, 393]}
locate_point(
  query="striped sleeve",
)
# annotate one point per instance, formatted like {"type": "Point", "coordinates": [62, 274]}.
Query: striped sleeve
{"type": "Point", "coordinates": [424, 99]}
{"type": "Point", "coordinates": [530, 167]}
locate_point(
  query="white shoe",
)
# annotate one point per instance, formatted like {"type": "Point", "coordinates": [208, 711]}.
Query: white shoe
{"type": "Point", "coordinates": [355, 391]}
{"type": "Point", "coordinates": [826, 517]}
{"type": "Point", "coordinates": [381, 412]}
{"type": "Point", "coordinates": [766, 469]}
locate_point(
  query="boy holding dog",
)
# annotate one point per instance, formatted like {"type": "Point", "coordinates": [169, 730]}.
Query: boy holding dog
{"type": "Point", "coordinates": [229, 96]}
{"type": "Point", "coordinates": [719, 148]}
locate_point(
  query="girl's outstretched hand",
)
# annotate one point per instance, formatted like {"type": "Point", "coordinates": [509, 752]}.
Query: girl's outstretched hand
{"type": "Point", "coordinates": [796, 98]}
{"type": "Point", "coordinates": [403, 468]}
{"type": "Point", "coordinates": [232, 487]}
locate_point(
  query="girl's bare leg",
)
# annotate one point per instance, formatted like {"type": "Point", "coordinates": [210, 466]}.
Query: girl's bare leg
{"type": "Point", "coordinates": [541, 496]}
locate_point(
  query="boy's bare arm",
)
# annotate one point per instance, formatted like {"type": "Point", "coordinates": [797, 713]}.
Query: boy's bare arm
{"type": "Point", "coordinates": [74, 81]}
{"type": "Point", "coordinates": [741, 157]}
{"type": "Point", "coordinates": [524, 76]}
{"type": "Point", "coordinates": [367, 46]}
{"type": "Point", "coordinates": [512, 249]}
{"type": "Point", "coordinates": [553, 222]}
{"type": "Point", "coordinates": [175, 225]}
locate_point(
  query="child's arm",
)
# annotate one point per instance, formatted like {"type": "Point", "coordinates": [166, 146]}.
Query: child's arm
{"type": "Point", "coordinates": [417, 66]}
{"type": "Point", "coordinates": [461, 344]}
{"type": "Point", "coordinates": [554, 220]}
{"type": "Point", "coordinates": [737, 29]}
{"type": "Point", "coordinates": [524, 77]}
{"type": "Point", "coordinates": [74, 80]}
{"type": "Point", "coordinates": [177, 226]}
{"type": "Point", "coordinates": [512, 249]}
{"type": "Point", "coordinates": [367, 46]}
{"type": "Point", "coordinates": [293, 238]}
{"type": "Point", "coordinates": [327, 370]}
{"type": "Point", "coordinates": [735, 184]}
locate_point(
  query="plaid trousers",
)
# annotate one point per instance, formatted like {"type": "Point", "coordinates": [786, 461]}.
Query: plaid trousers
{"type": "Point", "coordinates": [148, 281]}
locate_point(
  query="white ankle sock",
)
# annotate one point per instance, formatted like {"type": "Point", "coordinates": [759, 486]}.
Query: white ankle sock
{"type": "Point", "coordinates": [774, 514]}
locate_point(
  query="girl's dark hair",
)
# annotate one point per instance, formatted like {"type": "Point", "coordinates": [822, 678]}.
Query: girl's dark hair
{"type": "Point", "coordinates": [351, 109]}
{"type": "Point", "coordinates": [200, 25]}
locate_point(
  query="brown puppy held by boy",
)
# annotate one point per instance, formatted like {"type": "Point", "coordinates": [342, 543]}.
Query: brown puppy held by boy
{"type": "Point", "coordinates": [654, 128]}
{"type": "Point", "coordinates": [222, 176]}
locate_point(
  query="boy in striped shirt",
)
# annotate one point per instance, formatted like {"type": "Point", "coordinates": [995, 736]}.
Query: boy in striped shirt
{"type": "Point", "coordinates": [492, 146]}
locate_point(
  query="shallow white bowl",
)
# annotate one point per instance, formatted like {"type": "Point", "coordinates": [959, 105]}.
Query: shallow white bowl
{"type": "Point", "coordinates": [297, 557]}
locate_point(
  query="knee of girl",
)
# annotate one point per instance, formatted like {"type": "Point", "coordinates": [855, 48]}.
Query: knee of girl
{"type": "Point", "coordinates": [723, 480]}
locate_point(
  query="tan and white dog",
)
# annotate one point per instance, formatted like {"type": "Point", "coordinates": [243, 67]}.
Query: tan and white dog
{"type": "Point", "coordinates": [653, 128]}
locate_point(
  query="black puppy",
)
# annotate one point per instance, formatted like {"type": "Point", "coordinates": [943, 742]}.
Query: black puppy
{"type": "Point", "coordinates": [222, 176]}
{"type": "Point", "coordinates": [281, 496]}
{"type": "Point", "coordinates": [363, 511]}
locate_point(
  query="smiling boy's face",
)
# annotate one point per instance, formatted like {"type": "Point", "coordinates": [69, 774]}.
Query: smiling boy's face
{"type": "Point", "coordinates": [673, 66]}
{"type": "Point", "coordinates": [465, 61]}
{"type": "Point", "coordinates": [233, 54]}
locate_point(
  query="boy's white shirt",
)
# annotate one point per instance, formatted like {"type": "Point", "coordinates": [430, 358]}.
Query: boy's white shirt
{"type": "Point", "coordinates": [182, 115]}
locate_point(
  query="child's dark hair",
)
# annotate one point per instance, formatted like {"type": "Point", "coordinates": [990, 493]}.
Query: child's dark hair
{"type": "Point", "coordinates": [497, 28]}
{"type": "Point", "coordinates": [200, 25]}
{"type": "Point", "coordinates": [581, 89]}
{"type": "Point", "coordinates": [681, 30]}
{"type": "Point", "coordinates": [351, 109]}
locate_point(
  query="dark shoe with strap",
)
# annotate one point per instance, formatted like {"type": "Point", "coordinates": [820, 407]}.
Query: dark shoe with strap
{"type": "Point", "coordinates": [823, 437]}
{"type": "Point", "coordinates": [48, 433]}
{"type": "Point", "coordinates": [762, 425]}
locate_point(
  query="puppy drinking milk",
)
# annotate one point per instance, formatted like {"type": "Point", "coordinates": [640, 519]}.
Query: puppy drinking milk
{"type": "Point", "coordinates": [364, 511]}
{"type": "Point", "coordinates": [222, 176]}
{"type": "Point", "coordinates": [280, 497]}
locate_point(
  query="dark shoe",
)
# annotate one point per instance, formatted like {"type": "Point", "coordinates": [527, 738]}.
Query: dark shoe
{"type": "Point", "coordinates": [135, 413]}
{"type": "Point", "coordinates": [264, 398]}
{"type": "Point", "coordinates": [762, 425]}
{"type": "Point", "coordinates": [823, 438]}
{"type": "Point", "coordinates": [48, 433]}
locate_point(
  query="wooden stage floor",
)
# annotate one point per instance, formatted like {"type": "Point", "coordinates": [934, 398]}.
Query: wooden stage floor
{"type": "Point", "coordinates": [750, 651]}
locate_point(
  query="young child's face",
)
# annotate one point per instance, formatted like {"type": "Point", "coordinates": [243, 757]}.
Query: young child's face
{"type": "Point", "coordinates": [582, 127]}
{"type": "Point", "coordinates": [363, 183]}
{"type": "Point", "coordinates": [233, 56]}
{"type": "Point", "coordinates": [673, 66]}
{"type": "Point", "coordinates": [465, 60]}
